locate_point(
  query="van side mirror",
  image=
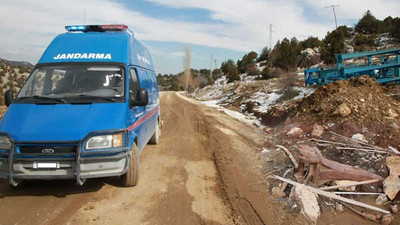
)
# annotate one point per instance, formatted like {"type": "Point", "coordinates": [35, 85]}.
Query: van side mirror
{"type": "Point", "coordinates": [8, 97]}
{"type": "Point", "coordinates": [142, 98]}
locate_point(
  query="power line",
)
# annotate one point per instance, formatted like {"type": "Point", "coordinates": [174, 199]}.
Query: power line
{"type": "Point", "coordinates": [334, 11]}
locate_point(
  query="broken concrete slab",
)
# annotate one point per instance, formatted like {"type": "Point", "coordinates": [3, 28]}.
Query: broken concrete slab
{"type": "Point", "coordinates": [381, 199]}
{"type": "Point", "coordinates": [308, 201]}
{"type": "Point", "coordinates": [317, 131]}
{"type": "Point", "coordinates": [391, 186]}
{"type": "Point", "coordinates": [359, 137]}
{"type": "Point", "coordinates": [393, 163]}
{"type": "Point", "coordinates": [295, 131]}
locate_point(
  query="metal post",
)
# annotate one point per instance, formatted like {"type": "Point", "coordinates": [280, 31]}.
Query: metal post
{"type": "Point", "coordinates": [334, 12]}
{"type": "Point", "coordinates": [211, 62]}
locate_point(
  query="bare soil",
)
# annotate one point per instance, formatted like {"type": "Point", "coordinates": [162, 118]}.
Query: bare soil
{"type": "Point", "coordinates": [207, 169]}
{"type": "Point", "coordinates": [204, 171]}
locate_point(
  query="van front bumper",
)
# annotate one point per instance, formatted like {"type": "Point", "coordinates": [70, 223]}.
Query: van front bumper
{"type": "Point", "coordinates": [79, 166]}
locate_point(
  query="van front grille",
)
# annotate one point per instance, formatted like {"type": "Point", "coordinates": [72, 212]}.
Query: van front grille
{"type": "Point", "coordinates": [47, 149]}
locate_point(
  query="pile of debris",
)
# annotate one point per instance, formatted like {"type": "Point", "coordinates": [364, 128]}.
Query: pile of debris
{"type": "Point", "coordinates": [313, 175]}
{"type": "Point", "coordinates": [359, 99]}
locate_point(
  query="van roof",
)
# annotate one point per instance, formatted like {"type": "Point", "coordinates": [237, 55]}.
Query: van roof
{"type": "Point", "coordinates": [93, 45]}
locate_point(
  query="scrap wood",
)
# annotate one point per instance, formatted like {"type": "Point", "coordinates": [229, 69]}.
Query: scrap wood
{"type": "Point", "coordinates": [276, 170]}
{"type": "Point", "coordinates": [350, 185]}
{"type": "Point", "coordinates": [355, 193]}
{"type": "Point", "coordinates": [374, 217]}
{"type": "Point", "coordinates": [393, 149]}
{"type": "Point", "coordinates": [296, 165]}
{"type": "Point", "coordinates": [357, 141]}
{"type": "Point", "coordinates": [323, 170]}
{"type": "Point", "coordinates": [333, 196]}
{"type": "Point", "coordinates": [352, 147]}
{"type": "Point", "coordinates": [367, 150]}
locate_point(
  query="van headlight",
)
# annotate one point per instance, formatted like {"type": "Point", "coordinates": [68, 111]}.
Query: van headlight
{"type": "Point", "coordinates": [105, 141]}
{"type": "Point", "coordinates": [5, 143]}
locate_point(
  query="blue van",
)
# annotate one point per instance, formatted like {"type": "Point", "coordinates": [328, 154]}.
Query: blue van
{"type": "Point", "coordinates": [87, 110]}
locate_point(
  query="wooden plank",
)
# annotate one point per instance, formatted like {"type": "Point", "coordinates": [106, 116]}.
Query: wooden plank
{"type": "Point", "coordinates": [333, 196]}
{"type": "Point", "coordinates": [288, 153]}
{"type": "Point", "coordinates": [349, 185]}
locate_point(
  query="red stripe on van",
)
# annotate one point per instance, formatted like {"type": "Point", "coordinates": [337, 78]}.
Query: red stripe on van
{"type": "Point", "coordinates": [137, 123]}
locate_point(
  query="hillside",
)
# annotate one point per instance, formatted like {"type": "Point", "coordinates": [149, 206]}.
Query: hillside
{"type": "Point", "coordinates": [13, 75]}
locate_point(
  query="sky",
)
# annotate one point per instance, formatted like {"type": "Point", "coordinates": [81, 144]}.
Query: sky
{"type": "Point", "coordinates": [226, 29]}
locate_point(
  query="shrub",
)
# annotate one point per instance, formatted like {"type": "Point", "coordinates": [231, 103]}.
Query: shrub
{"type": "Point", "coordinates": [253, 71]}
{"type": "Point", "coordinates": [395, 28]}
{"type": "Point", "coordinates": [248, 61]}
{"type": "Point", "coordinates": [288, 80]}
{"type": "Point", "coordinates": [266, 74]}
{"type": "Point", "coordinates": [333, 44]}
{"type": "Point", "coordinates": [230, 70]}
{"type": "Point", "coordinates": [288, 94]}
{"type": "Point", "coordinates": [265, 55]}
{"type": "Point", "coordinates": [311, 42]}
{"type": "Point", "coordinates": [285, 54]}
{"type": "Point", "coordinates": [368, 24]}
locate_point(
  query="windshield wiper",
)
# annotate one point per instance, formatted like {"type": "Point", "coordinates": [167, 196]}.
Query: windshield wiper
{"type": "Point", "coordinates": [97, 97]}
{"type": "Point", "coordinates": [44, 98]}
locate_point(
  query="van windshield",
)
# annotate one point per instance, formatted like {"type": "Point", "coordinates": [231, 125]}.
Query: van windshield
{"type": "Point", "coordinates": [74, 82]}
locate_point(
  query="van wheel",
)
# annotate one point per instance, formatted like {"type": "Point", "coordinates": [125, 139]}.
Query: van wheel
{"type": "Point", "coordinates": [155, 139]}
{"type": "Point", "coordinates": [131, 178]}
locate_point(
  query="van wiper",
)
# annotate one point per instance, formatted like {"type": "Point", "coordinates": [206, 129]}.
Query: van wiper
{"type": "Point", "coordinates": [97, 97]}
{"type": "Point", "coordinates": [44, 98]}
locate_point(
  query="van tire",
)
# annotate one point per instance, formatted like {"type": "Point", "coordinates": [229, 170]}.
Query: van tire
{"type": "Point", "coordinates": [155, 139]}
{"type": "Point", "coordinates": [131, 177]}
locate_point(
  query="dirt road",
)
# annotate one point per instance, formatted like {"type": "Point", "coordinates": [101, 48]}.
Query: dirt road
{"type": "Point", "coordinates": [204, 171]}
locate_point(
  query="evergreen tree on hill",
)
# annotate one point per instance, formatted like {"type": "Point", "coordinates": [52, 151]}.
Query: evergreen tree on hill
{"type": "Point", "coordinates": [368, 24]}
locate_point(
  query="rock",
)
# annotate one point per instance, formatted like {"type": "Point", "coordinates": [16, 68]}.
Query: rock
{"type": "Point", "coordinates": [317, 131]}
{"type": "Point", "coordinates": [387, 219]}
{"type": "Point", "coordinates": [359, 137]}
{"type": "Point", "coordinates": [391, 113]}
{"type": "Point", "coordinates": [295, 131]}
{"type": "Point", "coordinates": [267, 130]}
{"type": "Point", "coordinates": [381, 199]}
{"type": "Point", "coordinates": [307, 200]}
{"type": "Point", "coordinates": [394, 208]}
{"type": "Point", "coordinates": [344, 182]}
{"type": "Point", "coordinates": [394, 126]}
{"type": "Point", "coordinates": [393, 163]}
{"type": "Point", "coordinates": [339, 207]}
{"type": "Point", "coordinates": [391, 186]}
{"type": "Point", "coordinates": [278, 193]}
{"type": "Point", "coordinates": [342, 110]}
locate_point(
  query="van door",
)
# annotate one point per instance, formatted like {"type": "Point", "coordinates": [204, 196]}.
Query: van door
{"type": "Point", "coordinates": [136, 112]}
{"type": "Point", "coordinates": [145, 83]}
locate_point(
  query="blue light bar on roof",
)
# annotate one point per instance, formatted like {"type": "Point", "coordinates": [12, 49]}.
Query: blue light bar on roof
{"type": "Point", "coordinates": [96, 28]}
{"type": "Point", "coordinates": [73, 28]}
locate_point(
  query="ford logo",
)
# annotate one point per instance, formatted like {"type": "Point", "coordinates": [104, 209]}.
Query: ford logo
{"type": "Point", "coordinates": [48, 151]}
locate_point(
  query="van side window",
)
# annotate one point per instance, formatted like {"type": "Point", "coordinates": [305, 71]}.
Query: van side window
{"type": "Point", "coordinates": [133, 83]}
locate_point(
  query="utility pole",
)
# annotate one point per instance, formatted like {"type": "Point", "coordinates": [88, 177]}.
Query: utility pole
{"type": "Point", "coordinates": [211, 62]}
{"type": "Point", "coordinates": [334, 11]}
{"type": "Point", "coordinates": [215, 61]}
{"type": "Point", "coordinates": [271, 30]}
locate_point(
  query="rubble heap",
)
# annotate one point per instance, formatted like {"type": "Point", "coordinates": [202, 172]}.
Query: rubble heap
{"type": "Point", "coordinates": [359, 99]}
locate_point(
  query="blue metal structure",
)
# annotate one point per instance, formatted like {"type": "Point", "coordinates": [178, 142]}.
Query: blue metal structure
{"type": "Point", "coordinates": [384, 71]}
{"type": "Point", "coordinates": [44, 137]}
